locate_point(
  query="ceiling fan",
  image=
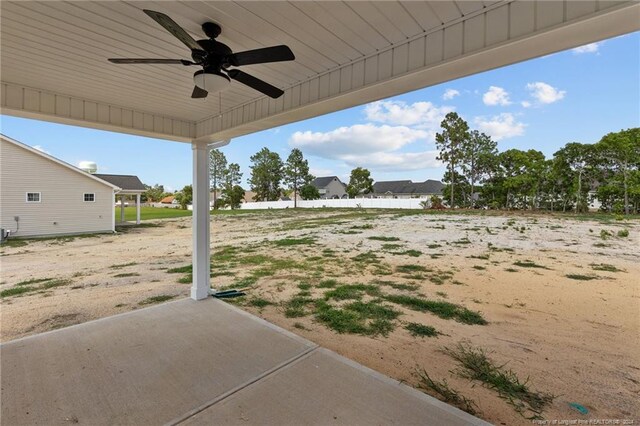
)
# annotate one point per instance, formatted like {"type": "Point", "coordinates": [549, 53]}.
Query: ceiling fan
{"type": "Point", "coordinates": [215, 58]}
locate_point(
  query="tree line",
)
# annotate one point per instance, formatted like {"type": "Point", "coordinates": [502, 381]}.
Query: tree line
{"type": "Point", "coordinates": [478, 176]}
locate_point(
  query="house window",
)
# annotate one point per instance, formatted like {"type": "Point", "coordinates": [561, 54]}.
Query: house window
{"type": "Point", "coordinates": [33, 197]}
{"type": "Point", "coordinates": [89, 197]}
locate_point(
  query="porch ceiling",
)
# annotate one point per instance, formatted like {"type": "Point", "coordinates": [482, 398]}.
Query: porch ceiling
{"type": "Point", "coordinates": [53, 60]}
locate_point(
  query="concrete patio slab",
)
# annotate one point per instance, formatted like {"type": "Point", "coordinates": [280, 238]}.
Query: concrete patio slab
{"type": "Point", "coordinates": [200, 362]}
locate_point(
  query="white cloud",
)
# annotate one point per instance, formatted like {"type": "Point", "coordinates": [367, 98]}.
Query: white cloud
{"type": "Point", "coordinates": [587, 48]}
{"type": "Point", "coordinates": [545, 93]}
{"type": "Point", "coordinates": [358, 139]}
{"type": "Point", "coordinates": [450, 94]}
{"type": "Point", "coordinates": [525, 104]}
{"type": "Point", "coordinates": [368, 145]}
{"type": "Point", "coordinates": [496, 96]}
{"type": "Point", "coordinates": [41, 149]}
{"type": "Point", "coordinates": [501, 126]}
{"type": "Point", "coordinates": [391, 161]}
{"type": "Point", "coordinates": [418, 114]}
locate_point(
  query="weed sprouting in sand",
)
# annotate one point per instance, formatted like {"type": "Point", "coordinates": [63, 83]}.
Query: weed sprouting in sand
{"type": "Point", "coordinates": [446, 392]}
{"type": "Point", "coordinates": [474, 364]}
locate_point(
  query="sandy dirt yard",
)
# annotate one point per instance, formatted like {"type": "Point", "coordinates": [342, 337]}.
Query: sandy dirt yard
{"type": "Point", "coordinates": [521, 315]}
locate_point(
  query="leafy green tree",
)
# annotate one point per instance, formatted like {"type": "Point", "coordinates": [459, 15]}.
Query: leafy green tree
{"type": "Point", "coordinates": [233, 176]}
{"type": "Point", "coordinates": [457, 183]}
{"type": "Point", "coordinates": [619, 152]}
{"type": "Point", "coordinates": [477, 153]}
{"type": "Point", "coordinates": [521, 170]}
{"type": "Point", "coordinates": [578, 160]}
{"type": "Point", "coordinates": [233, 195]}
{"type": "Point", "coordinates": [217, 172]}
{"type": "Point", "coordinates": [153, 193]}
{"type": "Point", "coordinates": [266, 175]}
{"type": "Point", "coordinates": [455, 132]}
{"type": "Point", "coordinates": [185, 196]}
{"type": "Point", "coordinates": [309, 192]}
{"type": "Point", "coordinates": [296, 173]}
{"type": "Point", "coordinates": [360, 182]}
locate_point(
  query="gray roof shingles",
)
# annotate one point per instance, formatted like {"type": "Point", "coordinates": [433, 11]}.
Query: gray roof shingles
{"type": "Point", "coordinates": [322, 182]}
{"type": "Point", "coordinates": [124, 182]}
{"type": "Point", "coordinates": [408, 187]}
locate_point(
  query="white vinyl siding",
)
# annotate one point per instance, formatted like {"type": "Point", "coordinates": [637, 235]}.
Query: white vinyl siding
{"type": "Point", "coordinates": [62, 209]}
{"type": "Point", "coordinates": [33, 197]}
{"type": "Point", "coordinates": [89, 197]}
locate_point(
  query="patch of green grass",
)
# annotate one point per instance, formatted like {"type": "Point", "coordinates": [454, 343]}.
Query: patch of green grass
{"type": "Point", "coordinates": [604, 234]}
{"type": "Point", "coordinates": [181, 269]}
{"type": "Point", "coordinates": [185, 279]}
{"type": "Point", "coordinates": [126, 274]}
{"type": "Point", "coordinates": [286, 242]}
{"type": "Point", "coordinates": [147, 213]}
{"type": "Point", "coordinates": [581, 277]}
{"type": "Point", "coordinates": [600, 245]}
{"type": "Point", "coordinates": [352, 291]}
{"type": "Point", "coordinates": [410, 268]}
{"type": "Point", "coordinates": [296, 306]}
{"type": "Point", "coordinates": [259, 302]}
{"type": "Point", "coordinates": [412, 253]}
{"type": "Point", "coordinates": [447, 393]}
{"type": "Point", "coordinates": [462, 241]}
{"type": "Point", "coordinates": [327, 284]}
{"type": "Point", "coordinates": [367, 257]}
{"type": "Point", "coordinates": [392, 246]}
{"type": "Point", "coordinates": [475, 365]}
{"type": "Point", "coordinates": [529, 264]}
{"type": "Point", "coordinates": [370, 318]}
{"type": "Point", "coordinates": [156, 299]}
{"type": "Point", "coordinates": [383, 238]}
{"type": "Point", "coordinates": [444, 310]}
{"type": "Point", "coordinates": [14, 291]}
{"type": "Point", "coordinates": [511, 270]}
{"type": "Point", "coordinates": [434, 246]}
{"type": "Point", "coordinates": [623, 233]}
{"type": "Point", "coordinates": [417, 329]}
{"type": "Point", "coordinates": [55, 283]}
{"type": "Point", "coordinates": [398, 286]}
{"type": "Point", "coordinates": [304, 286]}
{"type": "Point", "coordinates": [13, 242]}
{"type": "Point", "coordinates": [123, 265]}
{"type": "Point", "coordinates": [605, 267]}
{"type": "Point", "coordinates": [479, 267]}
{"type": "Point", "coordinates": [366, 226]}
{"type": "Point", "coordinates": [34, 281]}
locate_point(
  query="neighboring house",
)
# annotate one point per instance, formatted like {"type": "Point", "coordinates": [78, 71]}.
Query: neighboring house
{"type": "Point", "coordinates": [407, 189]}
{"type": "Point", "coordinates": [248, 197]}
{"type": "Point", "coordinates": [41, 195]}
{"type": "Point", "coordinates": [330, 187]}
{"type": "Point", "coordinates": [169, 200]}
{"type": "Point", "coordinates": [129, 186]}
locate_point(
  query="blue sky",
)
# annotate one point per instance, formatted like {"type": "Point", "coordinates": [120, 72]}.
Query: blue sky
{"type": "Point", "coordinates": [576, 95]}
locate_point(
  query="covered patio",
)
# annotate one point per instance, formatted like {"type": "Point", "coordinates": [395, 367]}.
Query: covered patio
{"type": "Point", "coordinates": [199, 360]}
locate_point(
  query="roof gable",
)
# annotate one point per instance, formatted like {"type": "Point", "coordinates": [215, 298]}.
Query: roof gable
{"type": "Point", "coordinates": [322, 182]}
{"type": "Point", "coordinates": [57, 161]}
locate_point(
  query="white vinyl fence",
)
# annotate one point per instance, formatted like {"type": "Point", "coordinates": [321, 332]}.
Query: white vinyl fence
{"type": "Point", "coordinates": [365, 203]}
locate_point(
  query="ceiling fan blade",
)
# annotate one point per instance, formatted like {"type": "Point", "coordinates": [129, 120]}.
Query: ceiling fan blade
{"type": "Point", "coordinates": [255, 83]}
{"type": "Point", "coordinates": [175, 29]}
{"type": "Point", "coordinates": [261, 56]}
{"type": "Point", "coordinates": [149, 61]}
{"type": "Point", "coordinates": [199, 93]}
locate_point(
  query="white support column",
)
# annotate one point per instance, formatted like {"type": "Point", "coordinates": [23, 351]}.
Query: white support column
{"type": "Point", "coordinates": [200, 222]}
{"type": "Point", "coordinates": [138, 209]}
{"type": "Point", "coordinates": [122, 209]}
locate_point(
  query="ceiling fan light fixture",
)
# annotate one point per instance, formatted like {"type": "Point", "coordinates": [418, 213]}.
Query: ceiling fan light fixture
{"type": "Point", "coordinates": [211, 81]}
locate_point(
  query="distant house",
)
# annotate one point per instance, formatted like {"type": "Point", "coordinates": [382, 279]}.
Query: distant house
{"type": "Point", "coordinates": [169, 200]}
{"type": "Point", "coordinates": [407, 189]}
{"type": "Point", "coordinates": [330, 187]}
{"type": "Point", "coordinates": [42, 195]}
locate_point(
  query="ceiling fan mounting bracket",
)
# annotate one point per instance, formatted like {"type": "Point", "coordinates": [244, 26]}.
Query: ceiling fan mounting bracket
{"type": "Point", "coordinates": [211, 29]}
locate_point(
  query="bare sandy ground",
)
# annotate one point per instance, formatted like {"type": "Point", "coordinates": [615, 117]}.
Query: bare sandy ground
{"type": "Point", "coordinates": [576, 339]}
